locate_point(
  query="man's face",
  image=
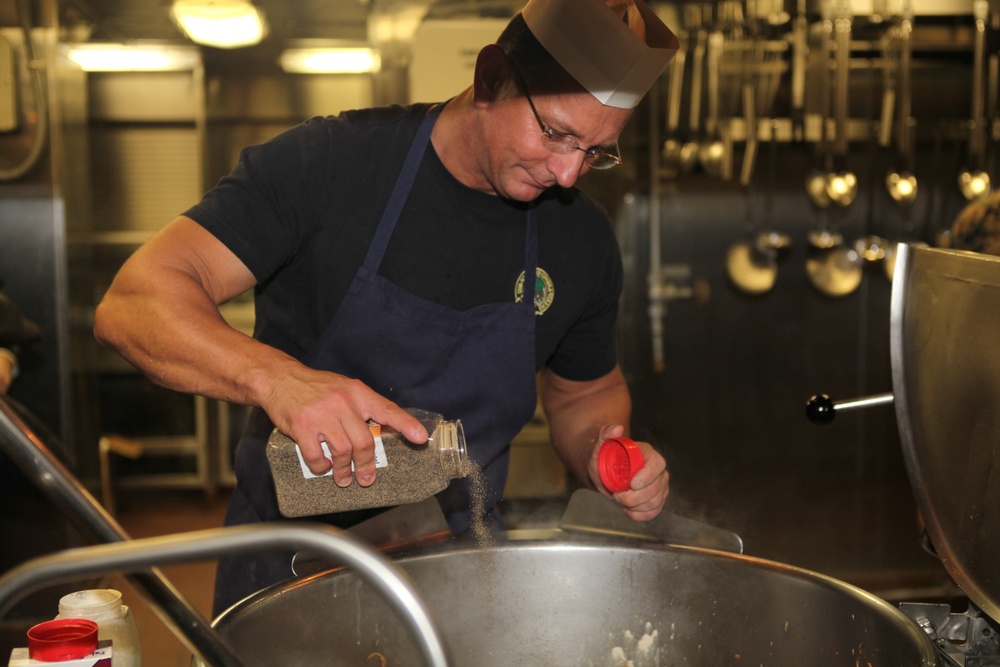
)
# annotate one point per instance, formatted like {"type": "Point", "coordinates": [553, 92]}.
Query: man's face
{"type": "Point", "coordinates": [520, 163]}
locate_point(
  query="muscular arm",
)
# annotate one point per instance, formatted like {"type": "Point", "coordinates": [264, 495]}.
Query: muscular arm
{"type": "Point", "coordinates": [161, 313]}
{"type": "Point", "coordinates": [584, 414]}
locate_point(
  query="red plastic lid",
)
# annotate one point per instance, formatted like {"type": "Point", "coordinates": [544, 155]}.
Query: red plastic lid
{"type": "Point", "coordinates": [617, 461]}
{"type": "Point", "coordinates": [62, 639]}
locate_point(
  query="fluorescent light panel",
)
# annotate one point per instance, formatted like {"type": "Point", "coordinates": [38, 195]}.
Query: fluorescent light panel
{"type": "Point", "coordinates": [330, 60]}
{"type": "Point", "coordinates": [224, 24]}
{"type": "Point", "coordinates": [133, 58]}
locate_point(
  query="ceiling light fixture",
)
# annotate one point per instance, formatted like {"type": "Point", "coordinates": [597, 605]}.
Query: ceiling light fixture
{"type": "Point", "coordinates": [330, 60]}
{"type": "Point", "coordinates": [224, 24]}
{"type": "Point", "coordinates": [133, 58]}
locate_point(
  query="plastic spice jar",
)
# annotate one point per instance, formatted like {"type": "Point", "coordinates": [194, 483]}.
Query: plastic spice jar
{"type": "Point", "coordinates": [618, 460]}
{"type": "Point", "coordinates": [114, 621]}
{"type": "Point", "coordinates": [405, 472]}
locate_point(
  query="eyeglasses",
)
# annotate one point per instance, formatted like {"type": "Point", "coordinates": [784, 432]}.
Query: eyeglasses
{"type": "Point", "coordinates": [597, 157]}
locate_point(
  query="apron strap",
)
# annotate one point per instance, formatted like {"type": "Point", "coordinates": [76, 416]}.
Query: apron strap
{"type": "Point", "coordinates": [530, 266]}
{"type": "Point", "coordinates": [411, 165]}
{"type": "Point", "coordinates": [397, 200]}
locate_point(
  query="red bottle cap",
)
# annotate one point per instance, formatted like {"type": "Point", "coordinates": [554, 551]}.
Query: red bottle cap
{"type": "Point", "coordinates": [617, 461]}
{"type": "Point", "coordinates": [62, 639]}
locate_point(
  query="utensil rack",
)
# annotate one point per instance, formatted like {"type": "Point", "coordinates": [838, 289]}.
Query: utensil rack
{"type": "Point", "coordinates": [792, 58]}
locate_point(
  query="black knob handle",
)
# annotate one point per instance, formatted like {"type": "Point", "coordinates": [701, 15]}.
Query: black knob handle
{"type": "Point", "coordinates": [820, 409]}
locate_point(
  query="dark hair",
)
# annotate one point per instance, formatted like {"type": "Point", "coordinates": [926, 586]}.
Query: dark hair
{"type": "Point", "coordinates": [540, 70]}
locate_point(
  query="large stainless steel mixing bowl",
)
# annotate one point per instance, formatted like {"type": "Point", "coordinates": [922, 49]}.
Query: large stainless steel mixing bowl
{"type": "Point", "coordinates": [577, 603]}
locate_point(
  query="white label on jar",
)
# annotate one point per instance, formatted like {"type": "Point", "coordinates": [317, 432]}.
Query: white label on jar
{"type": "Point", "coordinates": [380, 460]}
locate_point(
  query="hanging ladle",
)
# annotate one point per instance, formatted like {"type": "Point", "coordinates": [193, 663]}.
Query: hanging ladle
{"type": "Point", "coordinates": [832, 267]}
{"type": "Point", "coordinates": [901, 182]}
{"type": "Point", "coordinates": [841, 183]}
{"type": "Point", "coordinates": [835, 271]}
{"type": "Point", "coordinates": [800, 63]}
{"type": "Point", "coordinates": [712, 152]}
{"type": "Point", "coordinates": [689, 149]}
{"type": "Point", "coordinates": [752, 263]}
{"type": "Point", "coordinates": [774, 242]}
{"type": "Point", "coordinates": [816, 179]}
{"type": "Point", "coordinates": [673, 147]}
{"type": "Point", "coordinates": [974, 180]}
{"type": "Point", "coordinates": [871, 248]}
{"type": "Point", "coordinates": [695, 18]}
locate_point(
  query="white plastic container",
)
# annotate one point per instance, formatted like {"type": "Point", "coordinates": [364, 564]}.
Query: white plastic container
{"type": "Point", "coordinates": [114, 621]}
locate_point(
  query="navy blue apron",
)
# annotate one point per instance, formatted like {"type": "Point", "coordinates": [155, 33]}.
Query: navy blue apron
{"type": "Point", "coordinates": [476, 365]}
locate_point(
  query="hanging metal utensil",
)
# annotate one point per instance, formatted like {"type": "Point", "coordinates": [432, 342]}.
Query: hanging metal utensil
{"type": "Point", "coordinates": [672, 165]}
{"type": "Point", "coordinates": [712, 152]}
{"type": "Point", "coordinates": [816, 179]}
{"type": "Point", "coordinates": [841, 182]}
{"type": "Point", "coordinates": [902, 183]}
{"type": "Point", "coordinates": [831, 267]}
{"type": "Point", "coordinates": [915, 235]}
{"type": "Point", "coordinates": [772, 241]}
{"type": "Point", "coordinates": [750, 115]}
{"type": "Point", "coordinates": [890, 82]}
{"type": "Point", "coordinates": [751, 267]}
{"type": "Point", "coordinates": [871, 248]}
{"type": "Point", "coordinates": [974, 180]}
{"type": "Point", "coordinates": [689, 149]}
{"type": "Point", "coordinates": [835, 271]}
{"type": "Point", "coordinates": [752, 263]}
{"type": "Point", "coordinates": [767, 66]}
{"type": "Point", "coordinates": [725, 65]}
{"type": "Point", "coordinates": [800, 61]}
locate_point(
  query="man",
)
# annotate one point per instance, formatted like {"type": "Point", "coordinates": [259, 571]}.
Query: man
{"type": "Point", "coordinates": [389, 250]}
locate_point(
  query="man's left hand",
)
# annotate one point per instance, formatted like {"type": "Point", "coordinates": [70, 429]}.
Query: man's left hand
{"type": "Point", "coordinates": [650, 486]}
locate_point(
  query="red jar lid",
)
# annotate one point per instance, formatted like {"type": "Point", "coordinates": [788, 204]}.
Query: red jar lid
{"type": "Point", "coordinates": [62, 639]}
{"type": "Point", "coordinates": [617, 461]}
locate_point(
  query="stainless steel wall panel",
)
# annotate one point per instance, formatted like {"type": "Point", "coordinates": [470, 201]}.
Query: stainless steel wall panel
{"type": "Point", "coordinates": [162, 97]}
{"type": "Point", "coordinates": [143, 176]}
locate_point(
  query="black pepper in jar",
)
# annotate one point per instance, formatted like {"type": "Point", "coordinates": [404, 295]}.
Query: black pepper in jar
{"type": "Point", "coordinates": [410, 472]}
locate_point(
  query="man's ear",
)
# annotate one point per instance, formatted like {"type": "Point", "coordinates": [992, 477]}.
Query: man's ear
{"type": "Point", "coordinates": [491, 74]}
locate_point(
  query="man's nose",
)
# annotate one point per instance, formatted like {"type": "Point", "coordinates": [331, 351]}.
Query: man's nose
{"type": "Point", "coordinates": [568, 167]}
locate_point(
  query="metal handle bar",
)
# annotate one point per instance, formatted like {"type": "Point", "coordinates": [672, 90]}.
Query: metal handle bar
{"type": "Point", "coordinates": [387, 578]}
{"type": "Point", "coordinates": [822, 409]}
{"type": "Point", "coordinates": [34, 457]}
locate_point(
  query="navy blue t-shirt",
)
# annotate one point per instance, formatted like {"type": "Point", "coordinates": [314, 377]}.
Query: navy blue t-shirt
{"type": "Point", "coordinates": [300, 211]}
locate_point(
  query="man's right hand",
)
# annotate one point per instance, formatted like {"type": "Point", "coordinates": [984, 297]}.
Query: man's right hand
{"type": "Point", "coordinates": [311, 407]}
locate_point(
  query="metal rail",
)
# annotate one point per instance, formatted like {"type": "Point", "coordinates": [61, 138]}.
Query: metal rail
{"type": "Point", "coordinates": [379, 572]}
{"type": "Point", "coordinates": [35, 458]}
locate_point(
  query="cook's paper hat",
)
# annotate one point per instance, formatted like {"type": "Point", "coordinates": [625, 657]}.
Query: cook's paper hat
{"type": "Point", "coordinates": [616, 49]}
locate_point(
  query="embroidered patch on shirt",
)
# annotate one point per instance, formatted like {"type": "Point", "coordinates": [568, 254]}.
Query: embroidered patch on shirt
{"type": "Point", "coordinates": [545, 290]}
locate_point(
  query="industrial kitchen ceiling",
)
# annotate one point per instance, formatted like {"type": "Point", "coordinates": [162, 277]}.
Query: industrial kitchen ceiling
{"type": "Point", "coordinates": [288, 20]}
{"type": "Point", "coordinates": [116, 20]}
